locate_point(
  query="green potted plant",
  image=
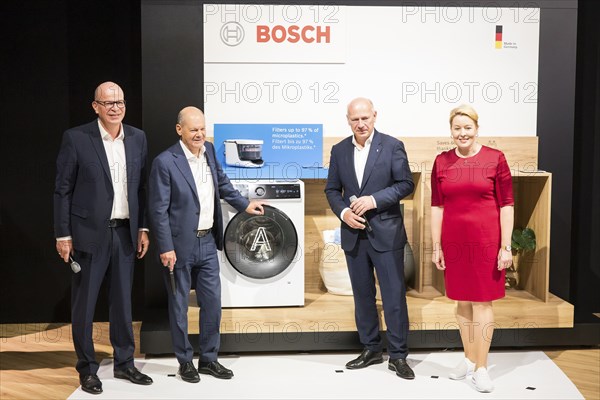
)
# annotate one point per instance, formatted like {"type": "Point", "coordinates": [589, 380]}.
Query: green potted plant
{"type": "Point", "coordinates": [523, 240]}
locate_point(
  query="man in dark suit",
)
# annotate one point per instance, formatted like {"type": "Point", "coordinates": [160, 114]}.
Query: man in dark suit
{"type": "Point", "coordinates": [99, 206]}
{"type": "Point", "coordinates": [368, 176]}
{"type": "Point", "coordinates": [186, 185]}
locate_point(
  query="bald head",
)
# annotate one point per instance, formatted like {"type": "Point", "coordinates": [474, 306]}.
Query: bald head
{"type": "Point", "coordinates": [361, 103]}
{"type": "Point", "coordinates": [361, 118]}
{"type": "Point", "coordinates": [191, 128]}
{"type": "Point", "coordinates": [109, 91]}
{"type": "Point", "coordinates": [188, 111]}
{"type": "Point", "coordinates": [109, 105]}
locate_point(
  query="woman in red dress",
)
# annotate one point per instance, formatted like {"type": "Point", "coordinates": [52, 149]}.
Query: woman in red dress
{"type": "Point", "coordinates": [471, 225]}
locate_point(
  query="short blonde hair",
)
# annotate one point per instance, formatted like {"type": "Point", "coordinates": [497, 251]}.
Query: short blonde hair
{"type": "Point", "coordinates": [466, 110]}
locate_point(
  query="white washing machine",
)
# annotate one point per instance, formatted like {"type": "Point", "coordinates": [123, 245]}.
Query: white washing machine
{"type": "Point", "coordinates": [262, 262]}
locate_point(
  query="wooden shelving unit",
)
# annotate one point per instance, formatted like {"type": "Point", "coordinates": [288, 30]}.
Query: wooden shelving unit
{"type": "Point", "coordinates": [532, 209]}
{"type": "Point", "coordinates": [531, 306]}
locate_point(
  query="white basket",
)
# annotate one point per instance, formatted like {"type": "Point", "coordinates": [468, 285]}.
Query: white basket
{"type": "Point", "coordinates": [332, 266]}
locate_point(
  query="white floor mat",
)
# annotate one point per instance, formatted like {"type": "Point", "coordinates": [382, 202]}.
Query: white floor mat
{"type": "Point", "coordinates": [516, 374]}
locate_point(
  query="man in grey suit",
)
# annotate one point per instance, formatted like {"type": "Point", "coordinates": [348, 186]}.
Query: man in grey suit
{"type": "Point", "coordinates": [186, 185]}
{"type": "Point", "coordinates": [99, 220]}
{"type": "Point", "coordinates": [368, 176]}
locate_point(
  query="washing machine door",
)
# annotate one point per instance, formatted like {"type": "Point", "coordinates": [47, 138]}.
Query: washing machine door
{"type": "Point", "coordinates": [261, 246]}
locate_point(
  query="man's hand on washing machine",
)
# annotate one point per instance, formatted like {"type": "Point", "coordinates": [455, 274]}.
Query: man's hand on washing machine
{"type": "Point", "coordinates": [255, 208]}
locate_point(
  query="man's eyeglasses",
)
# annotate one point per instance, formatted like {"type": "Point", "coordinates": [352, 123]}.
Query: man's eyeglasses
{"type": "Point", "coordinates": [111, 104]}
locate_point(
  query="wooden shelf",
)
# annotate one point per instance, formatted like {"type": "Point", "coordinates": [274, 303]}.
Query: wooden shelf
{"type": "Point", "coordinates": [530, 307]}
{"type": "Point", "coordinates": [532, 192]}
{"type": "Point", "coordinates": [532, 209]}
{"type": "Point", "coordinates": [427, 310]}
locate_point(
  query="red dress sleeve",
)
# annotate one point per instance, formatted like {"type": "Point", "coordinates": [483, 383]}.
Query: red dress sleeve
{"type": "Point", "coordinates": [437, 198]}
{"type": "Point", "coordinates": [504, 187]}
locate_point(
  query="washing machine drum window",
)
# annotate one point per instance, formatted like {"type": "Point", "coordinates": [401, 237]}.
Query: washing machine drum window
{"type": "Point", "coordinates": [261, 246]}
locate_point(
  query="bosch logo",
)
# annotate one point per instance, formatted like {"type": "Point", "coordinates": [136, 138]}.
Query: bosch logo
{"type": "Point", "coordinates": [293, 34]}
{"type": "Point", "coordinates": [232, 34]}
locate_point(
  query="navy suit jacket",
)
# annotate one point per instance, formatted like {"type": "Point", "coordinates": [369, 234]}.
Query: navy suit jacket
{"type": "Point", "coordinates": [387, 178]}
{"type": "Point", "coordinates": [83, 195]}
{"type": "Point", "coordinates": [174, 204]}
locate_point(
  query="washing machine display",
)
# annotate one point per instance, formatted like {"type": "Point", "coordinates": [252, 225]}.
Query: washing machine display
{"type": "Point", "coordinates": [262, 263]}
{"type": "Point", "coordinates": [261, 246]}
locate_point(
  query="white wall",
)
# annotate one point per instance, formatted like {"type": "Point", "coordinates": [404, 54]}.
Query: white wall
{"type": "Point", "coordinates": [415, 63]}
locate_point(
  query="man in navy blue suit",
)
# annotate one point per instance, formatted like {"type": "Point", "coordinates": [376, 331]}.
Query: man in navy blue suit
{"type": "Point", "coordinates": [99, 220]}
{"type": "Point", "coordinates": [186, 185]}
{"type": "Point", "coordinates": [368, 176]}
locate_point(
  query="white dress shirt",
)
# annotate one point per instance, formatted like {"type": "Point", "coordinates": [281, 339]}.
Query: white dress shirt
{"type": "Point", "coordinates": [361, 154]}
{"type": "Point", "coordinates": [204, 186]}
{"type": "Point", "coordinates": [117, 164]}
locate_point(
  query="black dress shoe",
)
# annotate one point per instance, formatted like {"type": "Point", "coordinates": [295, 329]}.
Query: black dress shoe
{"type": "Point", "coordinates": [188, 372]}
{"type": "Point", "coordinates": [215, 369]}
{"type": "Point", "coordinates": [366, 358]}
{"type": "Point", "coordinates": [90, 383]}
{"type": "Point", "coordinates": [403, 370]}
{"type": "Point", "coordinates": [134, 375]}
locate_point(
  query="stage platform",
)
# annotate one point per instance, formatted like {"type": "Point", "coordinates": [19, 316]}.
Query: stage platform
{"type": "Point", "coordinates": [326, 322]}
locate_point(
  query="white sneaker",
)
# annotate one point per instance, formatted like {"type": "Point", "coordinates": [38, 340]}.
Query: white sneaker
{"type": "Point", "coordinates": [482, 380]}
{"type": "Point", "coordinates": [463, 369]}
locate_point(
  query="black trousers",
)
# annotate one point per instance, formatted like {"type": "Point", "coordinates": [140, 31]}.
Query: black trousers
{"type": "Point", "coordinates": [361, 261]}
{"type": "Point", "coordinates": [113, 261]}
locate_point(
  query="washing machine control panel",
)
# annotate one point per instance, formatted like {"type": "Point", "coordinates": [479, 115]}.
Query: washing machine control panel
{"type": "Point", "coordinates": [269, 190]}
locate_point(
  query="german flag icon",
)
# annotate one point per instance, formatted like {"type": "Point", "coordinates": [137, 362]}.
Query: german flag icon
{"type": "Point", "coordinates": [498, 36]}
